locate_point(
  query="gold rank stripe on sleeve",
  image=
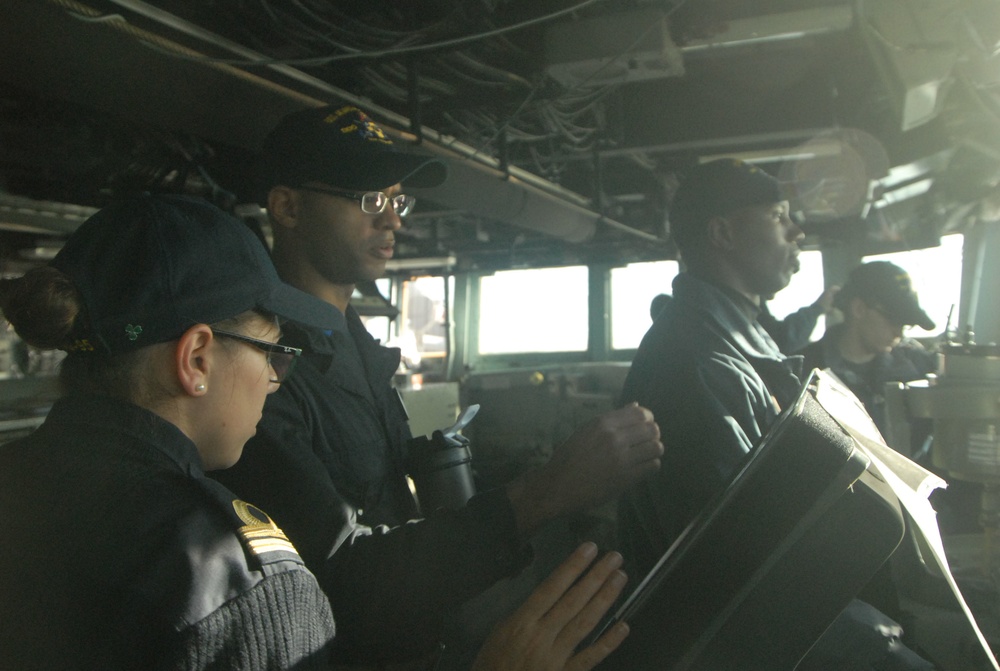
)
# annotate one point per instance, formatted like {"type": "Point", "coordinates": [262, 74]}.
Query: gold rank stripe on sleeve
{"type": "Point", "coordinates": [267, 542]}
{"type": "Point", "coordinates": [260, 547]}
{"type": "Point", "coordinates": [260, 534]}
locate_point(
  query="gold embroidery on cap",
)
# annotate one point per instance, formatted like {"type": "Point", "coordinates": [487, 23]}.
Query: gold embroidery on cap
{"type": "Point", "coordinates": [81, 346]}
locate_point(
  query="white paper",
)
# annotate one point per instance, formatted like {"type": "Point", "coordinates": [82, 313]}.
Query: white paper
{"type": "Point", "coordinates": [911, 483]}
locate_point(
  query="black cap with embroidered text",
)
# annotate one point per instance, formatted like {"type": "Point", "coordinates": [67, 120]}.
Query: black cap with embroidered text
{"type": "Point", "coordinates": [343, 148]}
{"type": "Point", "coordinates": [149, 267]}
{"type": "Point", "coordinates": [715, 189]}
{"type": "Point", "coordinates": [887, 287]}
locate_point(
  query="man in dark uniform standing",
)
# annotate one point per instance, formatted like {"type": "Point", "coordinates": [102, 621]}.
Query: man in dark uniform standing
{"type": "Point", "coordinates": [713, 376]}
{"type": "Point", "coordinates": [328, 460]}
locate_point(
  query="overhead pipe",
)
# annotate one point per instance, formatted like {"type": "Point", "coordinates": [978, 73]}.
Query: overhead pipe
{"type": "Point", "coordinates": [773, 28]}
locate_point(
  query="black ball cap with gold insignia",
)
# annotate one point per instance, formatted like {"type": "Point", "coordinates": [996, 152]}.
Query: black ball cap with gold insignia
{"type": "Point", "coordinates": [886, 286]}
{"type": "Point", "coordinates": [148, 267]}
{"type": "Point", "coordinates": [341, 147]}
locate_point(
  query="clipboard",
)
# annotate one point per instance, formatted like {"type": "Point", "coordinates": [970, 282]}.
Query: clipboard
{"type": "Point", "coordinates": [768, 565]}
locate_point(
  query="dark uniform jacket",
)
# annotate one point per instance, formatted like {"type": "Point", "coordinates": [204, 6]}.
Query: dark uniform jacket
{"type": "Point", "coordinates": [357, 427]}
{"type": "Point", "coordinates": [715, 381]}
{"type": "Point", "coordinates": [328, 456]}
{"type": "Point", "coordinates": [116, 552]}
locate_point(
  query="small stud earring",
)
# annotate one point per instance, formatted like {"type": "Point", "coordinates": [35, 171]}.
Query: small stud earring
{"type": "Point", "coordinates": [199, 387]}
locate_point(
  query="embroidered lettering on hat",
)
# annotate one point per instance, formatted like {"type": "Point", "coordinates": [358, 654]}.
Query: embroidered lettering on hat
{"type": "Point", "coordinates": [360, 124]}
{"type": "Point", "coordinates": [903, 280]}
{"type": "Point", "coordinates": [344, 148]}
{"type": "Point", "coordinates": [81, 345]}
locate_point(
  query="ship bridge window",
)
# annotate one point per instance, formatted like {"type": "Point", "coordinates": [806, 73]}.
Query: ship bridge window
{"type": "Point", "coordinates": [534, 310]}
{"type": "Point", "coordinates": [423, 320]}
{"type": "Point", "coordinates": [379, 326]}
{"type": "Point", "coordinates": [632, 290]}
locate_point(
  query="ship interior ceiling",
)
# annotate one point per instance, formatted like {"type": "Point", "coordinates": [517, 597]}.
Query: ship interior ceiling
{"type": "Point", "coordinates": [565, 124]}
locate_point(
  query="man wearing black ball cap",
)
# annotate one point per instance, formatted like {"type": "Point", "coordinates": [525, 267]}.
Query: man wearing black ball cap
{"type": "Point", "coordinates": [329, 457]}
{"type": "Point", "coordinates": [716, 381]}
{"type": "Point", "coordinates": [868, 349]}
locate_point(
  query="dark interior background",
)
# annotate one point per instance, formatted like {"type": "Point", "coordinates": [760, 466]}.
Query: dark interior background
{"type": "Point", "coordinates": [566, 124]}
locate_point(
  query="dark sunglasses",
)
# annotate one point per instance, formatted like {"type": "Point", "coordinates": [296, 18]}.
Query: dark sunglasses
{"type": "Point", "coordinates": [281, 358]}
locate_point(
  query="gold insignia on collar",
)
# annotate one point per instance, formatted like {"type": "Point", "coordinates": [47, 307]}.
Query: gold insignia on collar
{"type": "Point", "coordinates": [259, 532]}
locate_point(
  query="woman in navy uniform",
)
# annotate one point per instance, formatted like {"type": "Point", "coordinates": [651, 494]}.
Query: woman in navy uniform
{"type": "Point", "coordinates": [116, 550]}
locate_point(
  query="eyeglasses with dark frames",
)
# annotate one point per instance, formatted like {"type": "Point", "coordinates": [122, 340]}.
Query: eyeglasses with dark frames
{"type": "Point", "coordinates": [281, 358]}
{"type": "Point", "coordinates": [372, 202]}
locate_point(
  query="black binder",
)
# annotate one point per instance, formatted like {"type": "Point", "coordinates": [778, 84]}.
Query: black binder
{"type": "Point", "coordinates": [759, 575]}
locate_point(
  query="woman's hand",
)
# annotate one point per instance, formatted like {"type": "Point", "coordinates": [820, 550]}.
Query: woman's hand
{"type": "Point", "coordinates": [543, 634]}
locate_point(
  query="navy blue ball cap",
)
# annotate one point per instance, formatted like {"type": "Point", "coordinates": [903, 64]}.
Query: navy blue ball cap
{"type": "Point", "coordinates": [149, 267]}
{"type": "Point", "coordinates": [887, 287]}
{"type": "Point", "coordinates": [344, 148]}
{"type": "Point", "coordinates": [718, 188]}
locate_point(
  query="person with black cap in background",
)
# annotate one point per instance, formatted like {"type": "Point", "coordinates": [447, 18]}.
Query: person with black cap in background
{"type": "Point", "coordinates": [868, 349]}
{"type": "Point", "coordinates": [328, 461]}
{"type": "Point", "coordinates": [716, 381]}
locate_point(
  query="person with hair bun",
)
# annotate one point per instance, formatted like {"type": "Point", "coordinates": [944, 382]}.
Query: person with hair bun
{"type": "Point", "coordinates": [116, 550]}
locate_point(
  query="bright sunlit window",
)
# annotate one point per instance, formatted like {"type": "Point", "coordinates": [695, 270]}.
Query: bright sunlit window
{"type": "Point", "coordinates": [379, 327]}
{"type": "Point", "coordinates": [540, 310]}
{"type": "Point", "coordinates": [422, 320]}
{"type": "Point", "coordinates": [936, 274]}
{"type": "Point", "coordinates": [632, 290]}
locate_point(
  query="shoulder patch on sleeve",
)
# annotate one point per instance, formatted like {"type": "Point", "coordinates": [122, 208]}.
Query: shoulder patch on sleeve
{"type": "Point", "coordinates": [261, 535]}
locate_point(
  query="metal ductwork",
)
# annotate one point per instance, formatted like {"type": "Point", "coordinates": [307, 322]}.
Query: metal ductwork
{"type": "Point", "coordinates": [489, 193]}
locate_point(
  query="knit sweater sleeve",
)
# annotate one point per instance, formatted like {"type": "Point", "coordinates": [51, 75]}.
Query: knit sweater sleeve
{"type": "Point", "coordinates": [284, 622]}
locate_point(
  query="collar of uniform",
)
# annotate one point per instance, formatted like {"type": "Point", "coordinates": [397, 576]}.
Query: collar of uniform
{"type": "Point", "coordinates": [380, 361]}
{"type": "Point", "coordinates": [834, 359]}
{"type": "Point", "coordinates": [320, 346]}
{"type": "Point", "coordinates": [729, 311]}
{"type": "Point", "coordinates": [137, 423]}
{"type": "Point", "coordinates": [744, 304]}
{"type": "Point", "coordinates": [749, 309]}
{"type": "Point", "coordinates": [312, 341]}
{"type": "Point", "coordinates": [315, 343]}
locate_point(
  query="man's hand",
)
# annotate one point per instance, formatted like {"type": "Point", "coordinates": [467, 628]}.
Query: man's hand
{"type": "Point", "coordinates": [825, 300]}
{"type": "Point", "coordinates": [597, 463]}
{"type": "Point", "coordinates": [542, 635]}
